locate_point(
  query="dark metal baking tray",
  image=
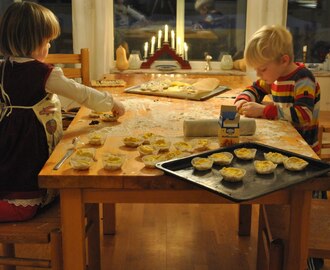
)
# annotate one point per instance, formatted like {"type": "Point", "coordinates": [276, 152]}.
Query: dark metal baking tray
{"type": "Point", "coordinates": [253, 185]}
{"type": "Point", "coordinates": [200, 96]}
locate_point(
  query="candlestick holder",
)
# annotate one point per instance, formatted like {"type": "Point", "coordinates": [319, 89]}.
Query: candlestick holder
{"type": "Point", "coordinates": [166, 49]}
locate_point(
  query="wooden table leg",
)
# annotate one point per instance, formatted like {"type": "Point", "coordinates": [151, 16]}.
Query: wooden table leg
{"type": "Point", "coordinates": [94, 248]}
{"type": "Point", "coordinates": [244, 220]}
{"type": "Point", "coordinates": [73, 229]}
{"type": "Point", "coordinates": [299, 230]}
{"type": "Point", "coordinates": [109, 218]}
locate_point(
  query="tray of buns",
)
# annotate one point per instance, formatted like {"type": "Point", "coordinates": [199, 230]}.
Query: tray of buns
{"type": "Point", "coordinates": [245, 171]}
{"type": "Point", "coordinates": [194, 89]}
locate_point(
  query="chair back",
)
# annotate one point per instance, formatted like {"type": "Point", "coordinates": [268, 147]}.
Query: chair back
{"type": "Point", "coordinates": [70, 68]}
{"type": "Point", "coordinates": [324, 140]}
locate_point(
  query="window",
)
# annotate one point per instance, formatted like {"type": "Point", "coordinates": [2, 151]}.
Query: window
{"type": "Point", "coordinates": [209, 26]}
{"type": "Point", "coordinates": [309, 23]}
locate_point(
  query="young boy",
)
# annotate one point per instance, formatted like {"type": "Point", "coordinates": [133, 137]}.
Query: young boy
{"type": "Point", "coordinates": [293, 88]}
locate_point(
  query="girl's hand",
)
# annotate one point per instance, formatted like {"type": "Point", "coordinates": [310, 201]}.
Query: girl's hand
{"type": "Point", "coordinates": [118, 108]}
{"type": "Point", "coordinates": [252, 109]}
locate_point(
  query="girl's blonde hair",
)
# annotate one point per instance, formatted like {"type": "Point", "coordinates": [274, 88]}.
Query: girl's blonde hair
{"type": "Point", "coordinates": [268, 44]}
{"type": "Point", "coordinates": [24, 27]}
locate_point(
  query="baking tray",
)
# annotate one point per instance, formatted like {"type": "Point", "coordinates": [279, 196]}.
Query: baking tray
{"type": "Point", "coordinates": [200, 96]}
{"type": "Point", "coordinates": [253, 185]}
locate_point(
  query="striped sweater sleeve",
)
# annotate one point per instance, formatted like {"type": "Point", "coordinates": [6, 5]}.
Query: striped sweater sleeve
{"type": "Point", "coordinates": [256, 92]}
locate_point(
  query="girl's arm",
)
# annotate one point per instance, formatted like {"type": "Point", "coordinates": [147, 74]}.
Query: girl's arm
{"type": "Point", "coordinates": [96, 100]}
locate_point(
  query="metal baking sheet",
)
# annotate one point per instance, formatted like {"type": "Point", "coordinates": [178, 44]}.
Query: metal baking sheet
{"type": "Point", "coordinates": [253, 185]}
{"type": "Point", "coordinates": [200, 96]}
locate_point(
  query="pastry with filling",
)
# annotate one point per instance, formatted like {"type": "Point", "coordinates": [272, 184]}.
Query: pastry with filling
{"type": "Point", "coordinates": [81, 162]}
{"type": "Point", "coordinates": [245, 153]}
{"type": "Point", "coordinates": [222, 158]}
{"type": "Point", "coordinates": [161, 144]}
{"type": "Point", "coordinates": [295, 164]}
{"type": "Point", "coordinates": [202, 164]}
{"type": "Point", "coordinates": [183, 146]}
{"type": "Point", "coordinates": [147, 137]}
{"type": "Point", "coordinates": [232, 174]}
{"type": "Point", "coordinates": [151, 160]}
{"type": "Point", "coordinates": [86, 152]}
{"type": "Point", "coordinates": [113, 162]}
{"type": "Point", "coordinates": [108, 117]}
{"type": "Point", "coordinates": [171, 155]}
{"type": "Point", "coordinates": [132, 141]}
{"type": "Point", "coordinates": [96, 138]}
{"type": "Point", "coordinates": [200, 144]}
{"type": "Point", "coordinates": [264, 166]}
{"type": "Point", "coordinates": [146, 149]}
{"type": "Point", "coordinates": [275, 157]}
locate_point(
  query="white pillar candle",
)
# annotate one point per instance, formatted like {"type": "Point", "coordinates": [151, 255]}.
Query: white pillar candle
{"type": "Point", "coordinates": [178, 46]}
{"type": "Point", "coordinates": [152, 48]}
{"type": "Point", "coordinates": [305, 48]}
{"type": "Point", "coordinates": [166, 33]}
{"type": "Point", "coordinates": [173, 39]}
{"type": "Point", "coordinates": [159, 43]}
{"type": "Point", "coordinates": [185, 48]}
{"type": "Point", "coordinates": [146, 50]}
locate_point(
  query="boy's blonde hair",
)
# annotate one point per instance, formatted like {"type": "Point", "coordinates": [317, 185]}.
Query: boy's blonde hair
{"type": "Point", "coordinates": [268, 44]}
{"type": "Point", "coordinates": [24, 27]}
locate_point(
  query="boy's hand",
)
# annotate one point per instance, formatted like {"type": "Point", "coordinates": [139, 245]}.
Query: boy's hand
{"type": "Point", "coordinates": [252, 109]}
{"type": "Point", "coordinates": [239, 104]}
{"type": "Point", "coordinates": [118, 109]}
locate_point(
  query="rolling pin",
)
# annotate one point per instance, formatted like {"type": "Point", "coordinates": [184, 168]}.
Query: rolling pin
{"type": "Point", "coordinates": [209, 127]}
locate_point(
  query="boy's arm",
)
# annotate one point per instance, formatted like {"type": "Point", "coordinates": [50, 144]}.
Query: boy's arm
{"type": "Point", "coordinates": [255, 93]}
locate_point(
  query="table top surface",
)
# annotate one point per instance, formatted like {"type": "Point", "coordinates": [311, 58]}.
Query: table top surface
{"type": "Point", "coordinates": [162, 116]}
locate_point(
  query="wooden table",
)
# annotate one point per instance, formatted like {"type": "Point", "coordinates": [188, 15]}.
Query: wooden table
{"type": "Point", "coordinates": [136, 184]}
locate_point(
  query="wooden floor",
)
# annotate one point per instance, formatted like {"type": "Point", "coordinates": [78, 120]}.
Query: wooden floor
{"type": "Point", "coordinates": [176, 237]}
{"type": "Point", "coordinates": [180, 237]}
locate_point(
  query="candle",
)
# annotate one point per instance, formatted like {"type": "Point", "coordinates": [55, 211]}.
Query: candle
{"type": "Point", "coordinates": [172, 39]}
{"type": "Point", "coordinates": [146, 50]}
{"type": "Point", "coordinates": [304, 53]}
{"type": "Point", "coordinates": [185, 47]}
{"type": "Point", "coordinates": [159, 39]}
{"type": "Point", "coordinates": [166, 33]}
{"type": "Point", "coordinates": [305, 49]}
{"type": "Point", "coordinates": [178, 46]}
{"type": "Point", "coordinates": [152, 48]}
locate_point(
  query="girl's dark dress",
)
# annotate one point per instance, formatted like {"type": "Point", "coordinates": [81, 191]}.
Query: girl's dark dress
{"type": "Point", "coordinates": [23, 143]}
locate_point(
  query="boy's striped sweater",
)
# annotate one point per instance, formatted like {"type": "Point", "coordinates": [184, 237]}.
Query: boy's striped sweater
{"type": "Point", "coordinates": [296, 99]}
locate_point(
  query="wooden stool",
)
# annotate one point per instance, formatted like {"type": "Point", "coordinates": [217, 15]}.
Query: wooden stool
{"type": "Point", "coordinates": [273, 234]}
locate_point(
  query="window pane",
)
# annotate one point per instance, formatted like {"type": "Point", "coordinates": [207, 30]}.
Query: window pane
{"type": "Point", "coordinates": [216, 27]}
{"type": "Point", "coordinates": [135, 22]}
{"type": "Point", "coordinates": [219, 30]}
{"type": "Point", "coordinates": [309, 23]}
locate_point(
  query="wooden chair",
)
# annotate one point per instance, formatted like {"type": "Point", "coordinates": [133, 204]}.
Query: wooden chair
{"type": "Point", "coordinates": [324, 139]}
{"type": "Point", "coordinates": [45, 230]}
{"type": "Point", "coordinates": [70, 62]}
{"type": "Point", "coordinates": [273, 234]}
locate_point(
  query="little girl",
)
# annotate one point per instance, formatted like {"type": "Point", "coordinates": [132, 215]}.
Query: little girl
{"type": "Point", "coordinates": [30, 120]}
